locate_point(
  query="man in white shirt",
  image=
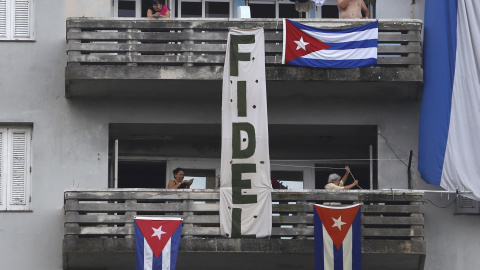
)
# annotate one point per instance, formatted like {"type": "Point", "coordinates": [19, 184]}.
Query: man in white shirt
{"type": "Point", "coordinates": [337, 183]}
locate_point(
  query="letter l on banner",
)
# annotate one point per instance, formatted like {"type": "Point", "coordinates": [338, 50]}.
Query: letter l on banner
{"type": "Point", "coordinates": [245, 192]}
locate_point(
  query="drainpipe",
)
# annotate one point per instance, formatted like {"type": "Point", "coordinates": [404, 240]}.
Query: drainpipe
{"type": "Point", "coordinates": [413, 9]}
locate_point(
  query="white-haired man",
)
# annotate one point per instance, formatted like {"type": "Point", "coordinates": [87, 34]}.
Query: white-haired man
{"type": "Point", "coordinates": [337, 183]}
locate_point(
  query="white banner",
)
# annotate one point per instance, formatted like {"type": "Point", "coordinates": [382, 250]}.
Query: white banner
{"type": "Point", "coordinates": [245, 193]}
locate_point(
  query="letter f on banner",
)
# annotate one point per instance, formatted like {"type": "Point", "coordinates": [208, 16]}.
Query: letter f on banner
{"type": "Point", "coordinates": [245, 193]}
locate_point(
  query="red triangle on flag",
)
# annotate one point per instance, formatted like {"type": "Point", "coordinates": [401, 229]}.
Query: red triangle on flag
{"type": "Point", "coordinates": [337, 221]}
{"type": "Point", "coordinates": [299, 43]}
{"type": "Point", "coordinates": [157, 232]}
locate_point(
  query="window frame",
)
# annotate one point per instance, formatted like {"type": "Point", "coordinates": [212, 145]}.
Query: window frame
{"type": "Point", "coordinates": [7, 166]}
{"type": "Point", "coordinates": [9, 16]}
{"type": "Point", "coordinates": [138, 8]}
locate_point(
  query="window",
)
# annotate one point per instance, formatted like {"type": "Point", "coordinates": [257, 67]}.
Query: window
{"type": "Point", "coordinates": [127, 8]}
{"type": "Point", "coordinates": [16, 20]}
{"type": "Point", "coordinates": [204, 9]}
{"type": "Point", "coordinates": [15, 174]}
{"type": "Point", "coordinates": [274, 9]}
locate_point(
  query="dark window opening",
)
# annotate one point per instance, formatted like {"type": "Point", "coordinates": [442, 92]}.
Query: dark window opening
{"type": "Point", "coordinates": [140, 174]}
{"type": "Point", "coordinates": [217, 9]}
{"type": "Point", "coordinates": [330, 11]}
{"type": "Point", "coordinates": [191, 9]}
{"type": "Point", "coordinates": [262, 10]}
{"type": "Point", "coordinates": [288, 11]}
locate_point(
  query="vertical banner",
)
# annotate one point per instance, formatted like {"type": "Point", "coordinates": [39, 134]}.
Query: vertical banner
{"type": "Point", "coordinates": [245, 193]}
{"type": "Point", "coordinates": [337, 234]}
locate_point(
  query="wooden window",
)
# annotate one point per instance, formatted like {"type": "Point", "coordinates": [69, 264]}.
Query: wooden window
{"type": "Point", "coordinates": [16, 20]}
{"type": "Point", "coordinates": [15, 170]}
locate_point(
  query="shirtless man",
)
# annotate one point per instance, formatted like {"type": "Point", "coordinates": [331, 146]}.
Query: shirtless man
{"type": "Point", "coordinates": [352, 9]}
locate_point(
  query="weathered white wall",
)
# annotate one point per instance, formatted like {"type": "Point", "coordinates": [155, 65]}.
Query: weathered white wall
{"type": "Point", "coordinates": [88, 8]}
{"type": "Point", "coordinates": [400, 9]}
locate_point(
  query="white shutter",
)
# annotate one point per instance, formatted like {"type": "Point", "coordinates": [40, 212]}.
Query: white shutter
{"type": "Point", "coordinates": [18, 169]}
{"type": "Point", "coordinates": [3, 189]}
{"type": "Point", "coordinates": [22, 19]}
{"type": "Point", "coordinates": [3, 19]}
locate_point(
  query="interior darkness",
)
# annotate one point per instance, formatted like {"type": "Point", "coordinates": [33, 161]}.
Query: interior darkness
{"type": "Point", "coordinates": [330, 11]}
{"type": "Point", "coordinates": [191, 9]}
{"type": "Point", "coordinates": [217, 9]}
{"type": "Point", "coordinates": [139, 174]}
{"type": "Point", "coordinates": [288, 11]}
{"type": "Point", "coordinates": [262, 10]}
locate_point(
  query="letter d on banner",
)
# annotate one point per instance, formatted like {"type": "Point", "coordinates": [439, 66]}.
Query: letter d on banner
{"type": "Point", "coordinates": [245, 193]}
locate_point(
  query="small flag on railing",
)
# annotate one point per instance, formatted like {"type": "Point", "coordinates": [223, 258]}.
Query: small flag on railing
{"type": "Point", "coordinates": [156, 242]}
{"type": "Point", "coordinates": [337, 236]}
{"type": "Point", "coordinates": [355, 47]}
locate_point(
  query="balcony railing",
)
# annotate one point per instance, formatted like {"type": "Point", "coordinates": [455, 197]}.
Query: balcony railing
{"type": "Point", "coordinates": [101, 221]}
{"type": "Point", "coordinates": [111, 56]}
{"type": "Point", "coordinates": [123, 41]}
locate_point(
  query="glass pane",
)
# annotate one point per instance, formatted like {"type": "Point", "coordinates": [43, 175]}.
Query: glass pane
{"type": "Point", "coordinates": [198, 182]}
{"type": "Point", "coordinates": [191, 9]}
{"type": "Point", "coordinates": [262, 10]}
{"type": "Point", "coordinates": [126, 8]}
{"type": "Point", "coordinates": [217, 9]}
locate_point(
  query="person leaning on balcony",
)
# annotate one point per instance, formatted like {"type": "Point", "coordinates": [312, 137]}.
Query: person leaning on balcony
{"type": "Point", "coordinates": [352, 9]}
{"type": "Point", "coordinates": [179, 182]}
{"type": "Point", "coordinates": [159, 10]}
{"type": "Point", "coordinates": [337, 183]}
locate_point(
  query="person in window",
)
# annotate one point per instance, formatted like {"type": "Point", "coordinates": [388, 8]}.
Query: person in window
{"type": "Point", "coordinates": [353, 9]}
{"type": "Point", "coordinates": [337, 183]}
{"type": "Point", "coordinates": [179, 182]}
{"type": "Point", "coordinates": [159, 10]}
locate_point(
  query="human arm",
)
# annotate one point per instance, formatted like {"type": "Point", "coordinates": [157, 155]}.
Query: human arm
{"type": "Point", "coordinates": [365, 10]}
{"type": "Point", "coordinates": [344, 178]}
{"type": "Point", "coordinates": [351, 185]}
{"type": "Point", "coordinates": [167, 13]}
{"type": "Point", "coordinates": [150, 14]}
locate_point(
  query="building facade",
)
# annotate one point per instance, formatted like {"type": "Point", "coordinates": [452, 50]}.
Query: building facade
{"type": "Point", "coordinates": [66, 124]}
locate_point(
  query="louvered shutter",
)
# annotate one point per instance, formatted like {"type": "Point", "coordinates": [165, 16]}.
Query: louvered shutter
{"type": "Point", "coordinates": [3, 19]}
{"type": "Point", "coordinates": [18, 184]}
{"type": "Point", "coordinates": [22, 19]}
{"type": "Point", "coordinates": [3, 189]}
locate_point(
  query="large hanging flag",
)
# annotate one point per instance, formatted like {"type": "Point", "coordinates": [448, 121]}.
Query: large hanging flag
{"type": "Point", "coordinates": [245, 193]}
{"type": "Point", "coordinates": [449, 140]}
{"type": "Point", "coordinates": [156, 242]}
{"type": "Point", "coordinates": [314, 47]}
{"type": "Point", "coordinates": [337, 234]}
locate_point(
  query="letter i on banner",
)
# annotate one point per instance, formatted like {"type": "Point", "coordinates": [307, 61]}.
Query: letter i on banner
{"type": "Point", "coordinates": [245, 193]}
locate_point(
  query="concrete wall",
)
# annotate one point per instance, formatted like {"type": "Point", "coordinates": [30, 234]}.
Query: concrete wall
{"type": "Point", "coordinates": [70, 139]}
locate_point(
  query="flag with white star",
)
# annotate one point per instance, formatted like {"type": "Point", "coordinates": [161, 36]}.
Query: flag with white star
{"type": "Point", "coordinates": [355, 47]}
{"type": "Point", "coordinates": [156, 242]}
{"type": "Point", "coordinates": [337, 234]}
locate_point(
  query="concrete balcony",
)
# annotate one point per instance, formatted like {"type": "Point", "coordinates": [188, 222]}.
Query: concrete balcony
{"type": "Point", "coordinates": [99, 230]}
{"type": "Point", "coordinates": [121, 57]}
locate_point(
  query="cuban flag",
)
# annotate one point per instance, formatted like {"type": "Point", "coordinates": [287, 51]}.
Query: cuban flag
{"type": "Point", "coordinates": [314, 47]}
{"type": "Point", "coordinates": [337, 233]}
{"type": "Point", "coordinates": [156, 242]}
{"type": "Point", "coordinates": [449, 138]}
